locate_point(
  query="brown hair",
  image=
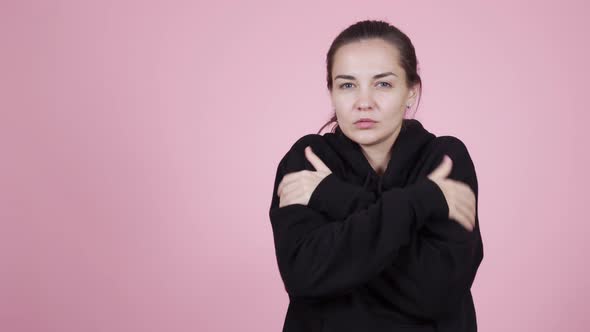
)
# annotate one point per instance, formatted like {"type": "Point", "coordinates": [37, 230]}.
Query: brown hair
{"type": "Point", "coordinates": [370, 29]}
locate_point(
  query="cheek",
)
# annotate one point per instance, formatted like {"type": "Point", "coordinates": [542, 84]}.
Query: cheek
{"type": "Point", "coordinates": [343, 99]}
{"type": "Point", "coordinates": [389, 98]}
{"type": "Point", "coordinates": [342, 115]}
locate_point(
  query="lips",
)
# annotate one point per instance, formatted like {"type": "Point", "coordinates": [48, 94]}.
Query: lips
{"type": "Point", "coordinates": [365, 120]}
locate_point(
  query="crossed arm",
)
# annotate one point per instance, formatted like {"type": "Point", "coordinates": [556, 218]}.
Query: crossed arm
{"type": "Point", "coordinates": [345, 237]}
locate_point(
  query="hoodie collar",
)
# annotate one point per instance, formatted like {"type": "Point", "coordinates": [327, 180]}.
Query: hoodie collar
{"type": "Point", "coordinates": [413, 137]}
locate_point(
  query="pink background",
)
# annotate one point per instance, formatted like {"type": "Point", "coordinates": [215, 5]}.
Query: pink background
{"type": "Point", "coordinates": [140, 141]}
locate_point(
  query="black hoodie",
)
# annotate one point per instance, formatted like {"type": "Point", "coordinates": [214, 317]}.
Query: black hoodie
{"type": "Point", "coordinates": [377, 253]}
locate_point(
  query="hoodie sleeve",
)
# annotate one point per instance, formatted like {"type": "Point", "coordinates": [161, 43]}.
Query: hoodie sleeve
{"type": "Point", "coordinates": [351, 197]}
{"type": "Point", "coordinates": [321, 257]}
{"type": "Point", "coordinates": [431, 278]}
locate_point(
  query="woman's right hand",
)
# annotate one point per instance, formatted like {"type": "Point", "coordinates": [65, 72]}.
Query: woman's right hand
{"type": "Point", "coordinates": [459, 196]}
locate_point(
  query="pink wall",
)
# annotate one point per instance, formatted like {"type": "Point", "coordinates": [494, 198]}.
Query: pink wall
{"type": "Point", "coordinates": [140, 140]}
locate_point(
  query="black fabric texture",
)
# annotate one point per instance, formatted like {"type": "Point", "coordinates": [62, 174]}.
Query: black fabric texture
{"type": "Point", "coordinates": [376, 252]}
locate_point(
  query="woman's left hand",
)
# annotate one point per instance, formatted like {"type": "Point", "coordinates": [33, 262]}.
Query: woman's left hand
{"type": "Point", "coordinates": [297, 187]}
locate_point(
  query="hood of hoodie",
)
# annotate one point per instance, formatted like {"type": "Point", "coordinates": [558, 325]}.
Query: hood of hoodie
{"type": "Point", "coordinates": [405, 152]}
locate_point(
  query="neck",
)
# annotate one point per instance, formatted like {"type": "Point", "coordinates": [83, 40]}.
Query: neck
{"type": "Point", "coordinates": [379, 153]}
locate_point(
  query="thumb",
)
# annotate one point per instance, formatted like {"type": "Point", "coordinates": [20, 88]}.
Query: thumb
{"type": "Point", "coordinates": [317, 163]}
{"type": "Point", "coordinates": [444, 168]}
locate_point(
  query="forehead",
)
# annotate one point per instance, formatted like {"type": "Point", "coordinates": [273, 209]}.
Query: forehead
{"type": "Point", "coordinates": [366, 58]}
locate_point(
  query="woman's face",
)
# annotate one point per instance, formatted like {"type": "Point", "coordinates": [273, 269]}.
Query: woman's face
{"type": "Point", "coordinates": [368, 83]}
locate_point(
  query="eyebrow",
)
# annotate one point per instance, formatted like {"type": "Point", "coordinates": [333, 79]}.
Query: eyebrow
{"type": "Point", "coordinates": [350, 77]}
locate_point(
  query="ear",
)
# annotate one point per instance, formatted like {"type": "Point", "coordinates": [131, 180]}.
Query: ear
{"type": "Point", "coordinates": [412, 95]}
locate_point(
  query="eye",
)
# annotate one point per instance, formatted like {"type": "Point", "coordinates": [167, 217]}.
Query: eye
{"type": "Point", "coordinates": [385, 83]}
{"type": "Point", "coordinates": [343, 84]}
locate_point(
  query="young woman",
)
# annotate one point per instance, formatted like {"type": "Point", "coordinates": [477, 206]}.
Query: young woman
{"type": "Point", "coordinates": [375, 224]}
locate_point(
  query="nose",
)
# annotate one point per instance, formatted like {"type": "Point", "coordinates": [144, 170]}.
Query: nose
{"type": "Point", "coordinates": [365, 100]}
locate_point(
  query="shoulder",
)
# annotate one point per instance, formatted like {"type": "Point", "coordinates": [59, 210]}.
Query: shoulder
{"type": "Point", "coordinates": [450, 144]}
{"type": "Point", "coordinates": [463, 168]}
{"type": "Point", "coordinates": [294, 159]}
{"type": "Point", "coordinates": [322, 145]}
{"type": "Point", "coordinates": [313, 140]}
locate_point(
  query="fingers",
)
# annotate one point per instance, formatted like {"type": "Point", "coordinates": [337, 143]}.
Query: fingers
{"type": "Point", "coordinates": [466, 215]}
{"type": "Point", "coordinates": [462, 203]}
{"type": "Point", "coordinates": [317, 163]}
{"type": "Point", "coordinates": [465, 208]}
{"type": "Point", "coordinates": [461, 215]}
{"type": "Point", "coordinates": [290, 191]}
{"type": "Point", "coordinates": [467, 195]}
{"type": "Point", "coordinates": [443, 169]}
{"type": "Point", "coordinates": [292, 195]}
{"type": "Point", "coordinates": [287, 179]}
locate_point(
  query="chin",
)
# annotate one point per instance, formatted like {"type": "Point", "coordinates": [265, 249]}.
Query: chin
{"type": "Point", "coordinates": [366, 136]}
